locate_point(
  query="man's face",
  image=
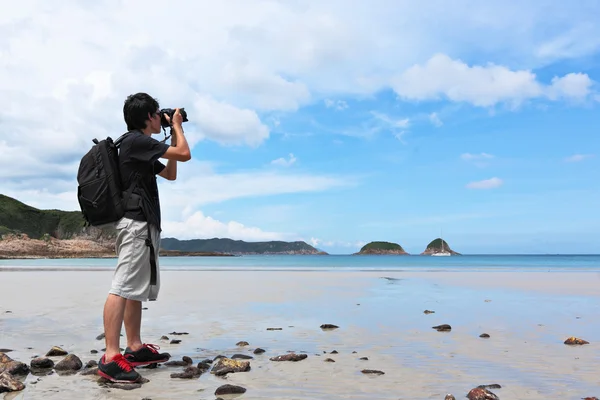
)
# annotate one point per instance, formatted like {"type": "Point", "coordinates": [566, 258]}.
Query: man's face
{"type": "Point", "coordinates": [154, 123]}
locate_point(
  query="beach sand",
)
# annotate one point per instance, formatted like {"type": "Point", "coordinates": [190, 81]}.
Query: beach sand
{"type": "Point", "coordinates": [380, 316]}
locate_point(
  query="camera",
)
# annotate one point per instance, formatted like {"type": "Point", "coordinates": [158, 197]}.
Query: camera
{"type": "Point", "coordinates": [170, 112]}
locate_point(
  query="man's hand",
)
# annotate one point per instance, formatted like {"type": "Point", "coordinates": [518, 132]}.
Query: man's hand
{"type": "Point", "coordinates": [177, 118]}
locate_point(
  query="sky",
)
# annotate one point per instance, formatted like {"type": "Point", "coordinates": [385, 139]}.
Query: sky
{"type": "Point", "coordinates": [333, 122]}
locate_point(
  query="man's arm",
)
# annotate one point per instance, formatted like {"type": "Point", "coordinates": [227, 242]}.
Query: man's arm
{"type": "Point", "coordinates": [170, 171]}
{"type": "Point", "coordinates": [180, 151]}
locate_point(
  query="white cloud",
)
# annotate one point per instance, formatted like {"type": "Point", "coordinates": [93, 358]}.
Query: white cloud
{"type": "Point", "coordinates": [336, 104]}
{"type": "Point", "coordinates": [435, 119]}
{"type": "Point", "coordinates": [476, 157]}
{"type": "Point", "coordinates": [441, 77]}
{"type": "Point", "coordinates": [200, 226]}
{"type": "Point", "coordinates": [283, 162]}
{"type": "Point", "coordinates": [578, 157]}
{"type": "Point", "coordinates": [485, 184]}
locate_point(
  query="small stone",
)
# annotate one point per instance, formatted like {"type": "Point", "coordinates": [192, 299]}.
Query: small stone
{"type": "Point", "coordinates": [70, 363]}
{"type": "Point", "coordinates": [42, 362]}
{"type": "Point", "coordinates": [259, 351]}
{"type": "Point", "coordinates": [163, 337]}
{"type": "Point", "coordinates": [100, 336]}
{"type": "Point", "coordinates": [574, 340]}
{"type": "Point", "coordinates": [229, 389]}
{"type": "Point", "coordinates": [207, 360]}
{"type": "Point", "coordinates": [91, 364]}
{"type": "Point", "coordinates": [144, 308]}
{"type": "Point", "coordinates": [372, 371]}
{"type": "Point", "coordinates": [481, 394]}
{"type": "Point", "coordinates": [218, 357]}
{"type": "Point", "coordinates": [94, 351]}
{"type": "Point", "coordinates": [442, 328]}
{"type": "Point", "coordinates": [428, 312]}
{"type": "Point", "coordinates": [89, 371]}
{"type": "Point", "coordinates": [226, 365]}
{"type": "Point", "coordinates": [449, 397]}
{"type": "Point", "coordinates": [329, 326]}
{"type": "Point", "coordinates": [242, 343]}
{"type": "Point", "coordinates": [484, 335]}
{"type": "Point", "coordinates": [178, 333]}
{"type": "Point", "coordinates": [175, 341]}
{"type": "Point", "coordinates": [364, 358]}
{"type": "Point", "coordinates": [190, 372]}
{"type": "Point", "coordinates": [492, 386]}
{"type": "Point", "coordinates": [8, 383]}
{"type": "Point", "coordinates": [5, 350]}
{"type": "Point", "coordinates": [289, 357]}
{"type": "Point", "coordinates": [354, 352]}
{"type": "Point", "coordinates": [329, 360]}
{"type": "Point", "coordinates": [56, 351]}
{"type": "Point", "coordinates": [204, 366]}
{"type": "Point", "coordinates": [185, 361]}
{"type": "Point", "coordinates": [334, 352]}
{"type": "Point", "coordinates": [274, 329]}
{"type": "Point", "coordinates": [241, 357]}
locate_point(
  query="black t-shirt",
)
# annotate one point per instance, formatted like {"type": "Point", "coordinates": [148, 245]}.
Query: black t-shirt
{"type": "Point", "coordinates": [139, 153]}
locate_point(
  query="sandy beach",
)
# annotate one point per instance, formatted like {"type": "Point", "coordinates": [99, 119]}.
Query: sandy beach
{"type": "Point", "coordinates": [528, 315]}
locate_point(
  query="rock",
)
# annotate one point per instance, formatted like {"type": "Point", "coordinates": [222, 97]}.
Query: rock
{"type": "Point", "coordinates": [185, 361]}
{"type": "Point", "coordinates": [42, 362]}
{"type": "Point", "coordinates": [190, 372]}
{"type": "Point", "coordinates": [484, 335]}
{"type": "Point", "coordinates": [89, 371]}
{"type": "Point", "coordinates": [178, 333]}
{"type": "Point", "coordinates": [329, 326]}
{"type": "Point", "coordinates": [69, 363]}
{"type": "Point", "coordinates": [164, 337]}
{"type": "Point", "coordinates": [204, 366]}
{"type": "Point", "coordinates": [229, 389]}
{"type": "Point", "coordinates": [574, 340]}
{"type": "Point", "coordinates": [492, 386]}
{"type": "Point", "coordinates": [94, 351]}
{"type": "Point", "coordinates": [334, 352]}
{"type": "Point", "coordinates": [123, 386]}
{"type": "Point", "coordinates": [481, 394]}
{"type": "Point", "coordinates": [274, 329]}
{"type": "Point", "coordinates": [241, 357]}
{"type": "Point", "coordinates": [5, 350]}
{"type": "Point", "coordinates": [372, 371]}
{"type": "Point", "coordinates": [259, 351]}
{"type": "Point", "coordinates": [8, 383]}
{"type": "Point", "coordinates": [449, 397]}
{"type": "Point", "coordinates": [175, 341]}
{"type": "Point", "coordinates": [144, 308]}
{"type": "Point", "coordinates": [289, 357]}
{"type": "Point", "coordinates": [329, 360]}
{"type": "Point", "coordinates": [242, 343]}
{"type": "Point", "coordinates": [442, 328]}
{"type": "Point", "coordinates": [11, 366]}
{"type": "Point", "coordinates": [100, 336]}
{"type": "Point", "coordinates": [207, 360]}
{"type": "Point", "coordinates": [590, 398]}
{"type": "Point", "coordinates": [364, 358]}
{"type": "Point", "coordinates": [56, 351]}
{"type": "Point", "coordinates": [91, 364]}
{"type": "Point", "coordinates": [219, 356]}
{"type": "Point", "coordinates": [428, 312]}
{"type": "Point", "coordinates": [226, 365]}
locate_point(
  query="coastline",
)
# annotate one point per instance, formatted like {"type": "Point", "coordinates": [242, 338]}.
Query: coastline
{"type": "Point", "coordinates": [380, 315]}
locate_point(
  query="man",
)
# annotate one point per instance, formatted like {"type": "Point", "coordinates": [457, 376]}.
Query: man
{"type": "Point", "coordinates": [137, 275]}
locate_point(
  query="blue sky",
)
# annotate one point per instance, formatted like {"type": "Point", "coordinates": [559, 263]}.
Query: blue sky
{"type": "Point", "coordinates": [326, 123]}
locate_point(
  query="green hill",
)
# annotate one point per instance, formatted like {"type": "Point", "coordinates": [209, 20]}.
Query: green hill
{"type": "Point", "coordinates": [17, 217]}
{"type": "Point", "coordinates": [231, 246]}
{"type": "Point", "coordinates": [435, 246]}
{"type": "Point", "coordinates": [382, 248]}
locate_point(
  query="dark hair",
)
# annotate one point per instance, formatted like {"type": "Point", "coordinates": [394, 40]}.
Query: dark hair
{"type": "Point", "coordinates": [136, 109]}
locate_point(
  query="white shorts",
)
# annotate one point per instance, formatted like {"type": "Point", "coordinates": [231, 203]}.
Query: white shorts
{"type": "Point", "coordinates": [131, 279]}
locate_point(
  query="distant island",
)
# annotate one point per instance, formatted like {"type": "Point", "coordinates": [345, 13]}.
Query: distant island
{"type": "Point", "coordinates": [230, 246]}
{"type": "Point", "coordinates": [382, 248]}
{"type": "Point", "coordinates": [437, 246]}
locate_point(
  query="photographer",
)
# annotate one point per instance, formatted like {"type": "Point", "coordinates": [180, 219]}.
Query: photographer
{"type": "Point", "coordinates": [137, 274]}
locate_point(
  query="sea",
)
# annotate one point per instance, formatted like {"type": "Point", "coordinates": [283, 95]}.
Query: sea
{"type": "Point", "coordinates": [509, 263]}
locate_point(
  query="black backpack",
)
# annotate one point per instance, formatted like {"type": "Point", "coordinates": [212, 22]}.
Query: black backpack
{"type": "Point", "coordinates": [100, 189]}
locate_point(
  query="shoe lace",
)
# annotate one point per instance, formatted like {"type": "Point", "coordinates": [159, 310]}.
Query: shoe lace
{"type": "Point", "coordinates": [153, 348]}
{"type": "Point", "coordinates": [122, 363]}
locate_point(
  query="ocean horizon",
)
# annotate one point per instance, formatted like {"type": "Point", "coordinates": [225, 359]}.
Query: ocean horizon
{"type": "Point", "coordinates": [346, 262]}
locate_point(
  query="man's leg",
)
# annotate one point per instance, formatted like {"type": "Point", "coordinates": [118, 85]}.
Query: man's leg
{"type": "Point", "coordinates": [133, 324]}
{"type": "Point", "coordinates": [114, 310]}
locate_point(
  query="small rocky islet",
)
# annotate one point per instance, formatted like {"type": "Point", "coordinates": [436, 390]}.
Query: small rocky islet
{"type": "Point", "coordinates": [14, 372]}
{"type": "Point", "coordinates": [436, 246]}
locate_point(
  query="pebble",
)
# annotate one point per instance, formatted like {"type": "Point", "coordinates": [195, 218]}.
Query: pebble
{"type": "Point", "coordinates": [229, 389]}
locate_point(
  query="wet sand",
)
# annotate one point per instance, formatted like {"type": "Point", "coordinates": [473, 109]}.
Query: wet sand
{"type": "Point", "coordinates": [527, 314]}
